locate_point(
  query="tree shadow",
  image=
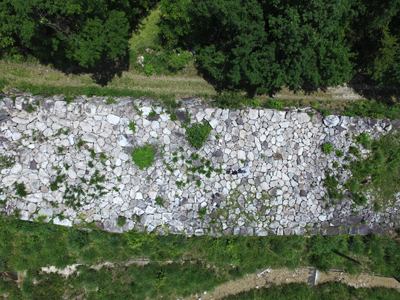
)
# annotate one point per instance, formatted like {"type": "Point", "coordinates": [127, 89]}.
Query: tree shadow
{"type": "Point", "coordinates": [105, 71]}
{"type": "Point", "coordinates": [369, 89]}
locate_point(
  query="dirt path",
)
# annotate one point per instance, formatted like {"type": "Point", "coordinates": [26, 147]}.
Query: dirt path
{"type": "Point", "coordinates": [301, 275]}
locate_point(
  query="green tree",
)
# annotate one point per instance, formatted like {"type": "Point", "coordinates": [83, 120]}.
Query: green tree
{"type": "Point", "coordinates": [269, 44]}
{"type": "Point", "coordinates": [65, 32]}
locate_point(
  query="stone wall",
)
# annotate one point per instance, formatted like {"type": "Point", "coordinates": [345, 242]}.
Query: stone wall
{"type": "Point", "coordinates": [281, 193]}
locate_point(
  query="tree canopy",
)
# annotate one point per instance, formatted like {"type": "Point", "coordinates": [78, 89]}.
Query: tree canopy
{"type": "Point", "coordinates": [70, 31]}
{"type": "Point", "coordinates": [267, 44]}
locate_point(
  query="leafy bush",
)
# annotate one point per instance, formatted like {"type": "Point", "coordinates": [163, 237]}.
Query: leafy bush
{"type": "Point", "coordinates": [229, 99]}
{"type": "Point", "coordinates": [20, 187]}
{"type": "Point", "coordinates": [339, 153]}
{"type": "Point", "coordinates": [365, 140]}
{"type": "Point", "coordinates": [132, 126]}
{"type": "Point", "coordinates": [197, 134]}
{"type": "Point", "coordinates": [327, 148]}
{"type": "Point", "coordinates": [121, 221]}
{"type": "Point", "coordinates": [160, 201]}
{"type": "Point", "coordinates": [143, 157]}
{"type": "Point", "coordinates": [149, 70]}
{"type": "Point", "coordinates": [273, 104]}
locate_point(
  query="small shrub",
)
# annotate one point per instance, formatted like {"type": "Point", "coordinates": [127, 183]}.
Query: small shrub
{"type": "Point", "coordinates": [354, 150]}
{"type": "Point", "coordinates": [80, 144]}
{"type": "Point", "coordinates": [132, 126]}
{"type": "Point", "coordinates": [327, 148]}
{"type": "Point", "coordinates": [160, 201]}
{"type": "Point", "coordinates": [339, 153]}
{"type": "Point", "coordinates": [149, 70]}
{"type": "Point", "coordinates": [6, 162]}
{"type": "Point", "coordinates": [335, 164]}
{"type": "Point", "coordinates": [273, 104]}
{"type": "Point", "coordinates": [202, 212]}
{"type": "Point", "coordinates": [365, 140]}
{"type": "Point", "coordinates": [152, 113]}
{"type": "Point", "coordinates": [197, 134]}
{"type": "Point", "coordinates": [31, 109]}
{"type": "Point", "coordinates": [173, 117]}
{"type": "Point", "coordinates": [143, 157]}
{"type": "Point", "coordinates": [110, 101]}
{"type": "Point", "coordinates": [20, 189]}
{"type": "Point", "coordinates": [121, 221]}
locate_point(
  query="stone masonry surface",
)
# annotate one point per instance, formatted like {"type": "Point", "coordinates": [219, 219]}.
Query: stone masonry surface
{"type": "Point", "coordinates": [282, 192]}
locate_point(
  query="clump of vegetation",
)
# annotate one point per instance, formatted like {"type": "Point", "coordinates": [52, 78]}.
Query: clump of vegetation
{"type": "Point", "coordinates": [202, 212]}
{"type": "Point", "coordinates": [6, 162]}
{"type": "Point", "coordinates": [160, 201]}
{"type": "Point", "coordinates": [80, 144]}
{"type": "Point", "coordinates": [197, 134]}
{"type": "Point", "coordinates": [143, 157]}
{"type": "Point", "coordinates": [152, 113]}
{"type": "Point", "coordinates": [327, 148]}
{"type": "Point", "coordinates": [132, 126]}
{"type": "Point", "coordinates": [110, 100]}
{"type": "Point", "coordinates": [173, 117]}
{"type": "Point", "coordinates": [20, 189]}
{"type": "Point", "coordinates": [365, 140]}
{"type": "Point", "coordinates": [121, 221]}
{"type": "Point", "coordinates": [339, 153]}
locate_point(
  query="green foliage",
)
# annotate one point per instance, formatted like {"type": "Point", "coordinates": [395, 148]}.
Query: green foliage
{"type": "Point", "coordinates": [59, 179]}
{"type": "Point", "coordinates": [173, 117]}
{"type": "Point", "coordinates": [372, 109]}
{"type": "Point", "coordinates": [110, 100]}
{"type": "Point", "coordinates": [264, 45]}
{"type": "Point", "coordinates": [331, 183]}
{"type": "Point", "coordinates": [6, 162]}
{"type": "Point", "coordinates": [327, 148]}
{"type": "Point", "coordinates": [273, 104]}
{"type": "Point", "coordinates": [160, 201]}
{"type": "Point", "coordinates": [197, 134]}
{"type": "Point", "coordinates": [202, 212]}
{"type": "Point", "coordinates": [229, 99]}
{"type": "Point", "coordinates": [143, 157]}
{"type": "Point", "coordinates": [149, 70]}
{"type": "Point", "coordinates": [132, 126]}
{"type": "Point", "coordinates": [20, 189]}
{"type": "Point", "coordinates": [382, 167]}
{"type": "Point", "coordinates": [335, 164]}
{"type": "Point", "coordinates": [121, 221]}
{"type": "Point", "coordinates": [69, 33]}
{"type": "Point", "coordinates": [354, 150]}
{"type": "Point", "coordinates": [365, 140]}
{"type": "Point", "coordinates": [328, 291]}
{"type": "Point", "coordinates": [339, 153]}
{"type": "Point", "coordinates": [174, 23]}
{"type": "Point", "coordinates": [80, 144]}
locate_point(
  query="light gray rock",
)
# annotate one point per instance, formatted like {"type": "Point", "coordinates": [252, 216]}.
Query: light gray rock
{"type": "Point", "coordinates": [331, 120]}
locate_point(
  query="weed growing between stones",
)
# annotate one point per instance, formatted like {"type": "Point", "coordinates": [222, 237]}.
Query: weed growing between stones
{"type": "Point", "coordinates": [20, 189]}
{"type": "Point", "coordinates": [160, 201]}
{"type": "Point", "coordinates": [143, 157]}
{"type": "Point", "coordinates": [197, 134]}
{"type": "Point", "coordinates": [121, 221]}
{"type": "Point", "coordinates": [376, 175]}
{"type": "Point", "coordinates": [327, 148]}
{"type": "Point", "coordinates": [110, 100]}
{"type": "Point", "coordinates": [132, 126]}
{"type": "Point", "coordinates": [6, 162]}
{"type": "Point", "coordinates": [80, 144]}
{"type": "Point", "coordinates": [61, 131]}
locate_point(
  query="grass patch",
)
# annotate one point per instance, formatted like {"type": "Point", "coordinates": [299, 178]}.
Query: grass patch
{"type": "Point", "coordinates": [331, 290]}
{"type": "Point", "coordinates": [379, 173]}
{"type": "Point", "coordinates": [30, 245]}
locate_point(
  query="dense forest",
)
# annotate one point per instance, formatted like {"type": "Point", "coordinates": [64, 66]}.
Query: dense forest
{"type": "Point", "coordinates": [260, 45]}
